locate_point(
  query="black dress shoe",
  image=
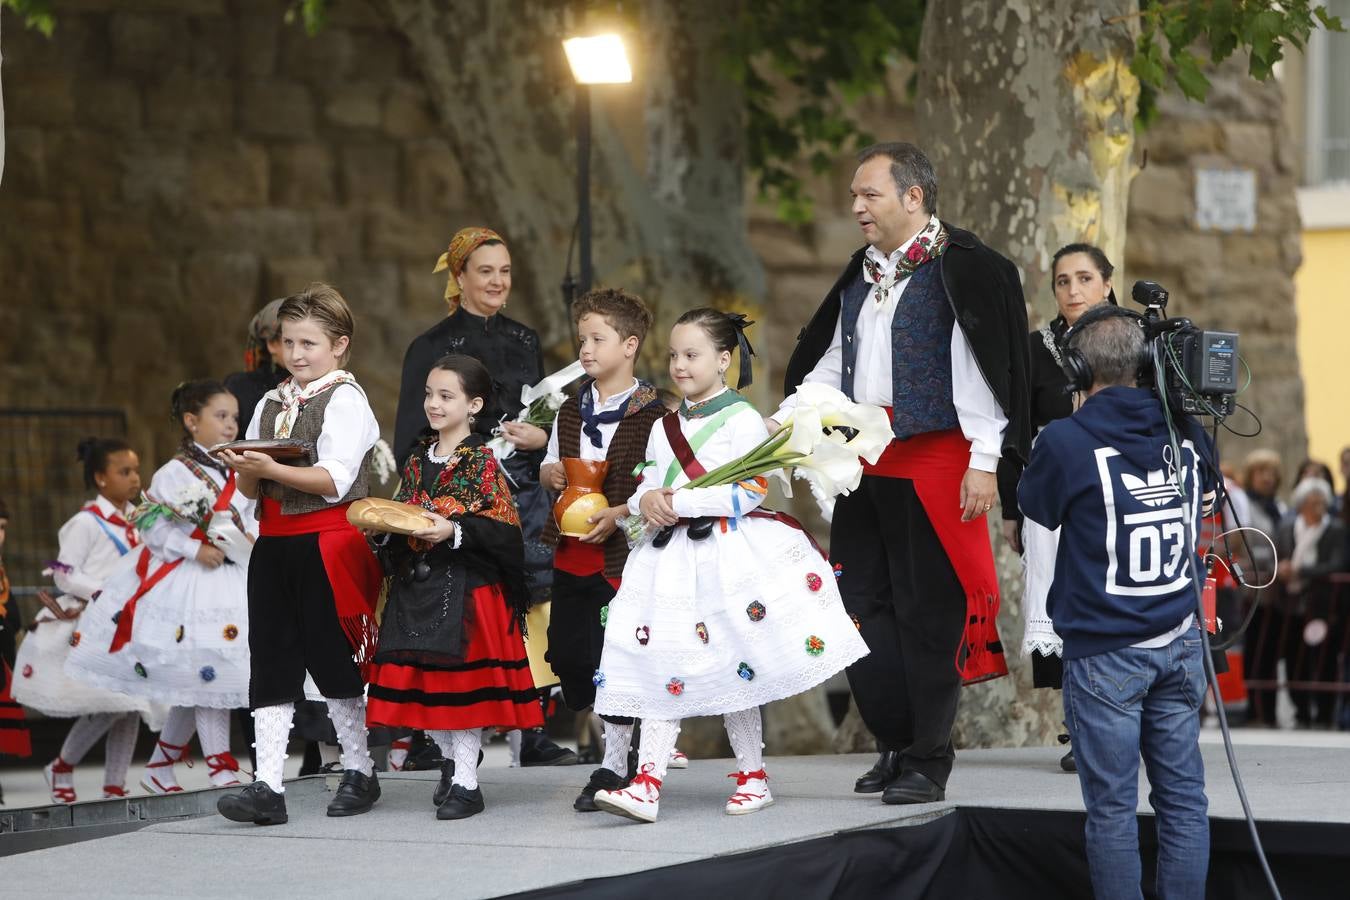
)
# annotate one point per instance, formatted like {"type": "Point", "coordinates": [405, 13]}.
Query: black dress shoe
{"type": "Point", "coordinates": [876, 779]}
{"type": "Point", "coordinates": [447, 772]}
{"type": "Point", "coordinates": [913, 787]}
{"type": "Point", "coordinates": [356, 794]}
{"type": "Point", "coordinates": [537, 750]}
{"type": "Point", "coordinates": [461, 803]}
{"type": "Point", "coordinates": [1066, 762]}
{"type": "Point", "coordinates": [602, 779]}
{"type": "Point", "coordinates": [256, 803]}
{"type": "Point", "coordinates": [443, 788]}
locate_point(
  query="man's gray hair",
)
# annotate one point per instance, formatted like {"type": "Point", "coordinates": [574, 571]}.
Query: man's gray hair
{"type": "Point", "coordinates": [1309, 487]}
{"type": "Point", "coordinates": [909, 167]}
{"type": "Point", "coordinates": [1113, 348]}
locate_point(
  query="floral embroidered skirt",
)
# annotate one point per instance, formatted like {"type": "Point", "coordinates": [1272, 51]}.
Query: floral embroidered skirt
{"type": "Point", "coordinates": [492, 687]}
{"type": "Point", "coordinates": [749, 615]}
{"type": "Point", "coordinates": [189, 636]}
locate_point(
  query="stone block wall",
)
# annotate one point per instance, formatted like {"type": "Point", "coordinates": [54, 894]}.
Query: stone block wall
{"type": "Point", "coordinates": [173, 166]}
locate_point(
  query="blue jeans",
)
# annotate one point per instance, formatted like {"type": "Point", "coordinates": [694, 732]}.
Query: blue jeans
{"type": "Point", "coordinates": [1121, 704]}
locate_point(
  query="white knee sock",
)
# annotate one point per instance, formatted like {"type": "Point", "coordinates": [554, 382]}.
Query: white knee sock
{"type": "Point", "coordinates": [462, 747]}
{"type": "Point", "coordinates": [745, 730]}
{"type": "Point", "coordinates": [349, 721]}
{"type": "Point", "coordinates": [83, 734]}
{"type": "Point", "coordinates": [271, 733]}
{"type": "Point", "coordinates": [658, 739]}
{"type": "Point", "coordinates": [119, 747]}
{"type": "Point", "coordinates": [513, 739]}
{"type": "Point", "coordinates": [618, 740]}
{"type": "Point", "coordinates": [213, 730]}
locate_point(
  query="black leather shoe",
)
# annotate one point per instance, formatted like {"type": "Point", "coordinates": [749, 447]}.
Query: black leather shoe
{"type": "Point", "coordinates": [443, 788]}
{"type": "Point", "coordinates": [537, 750]}
{"type": "Point", "coordinates": [876, 779]}
{"type": "Point", "coordinates": [913, 787]}
{"type": "Point", "coordinates": [356, 794]}
{"type": "Point", "coordinates": [461, 803]}
{"type": "Point", "coordinates": [256, 803]}
{"type": "Point", "coordinates": [602, 779]}
{"type": "Point", "coordinates": [1066, 762]}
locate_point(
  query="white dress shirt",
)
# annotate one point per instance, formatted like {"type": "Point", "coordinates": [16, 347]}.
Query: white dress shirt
{"type": "Point", "coordinates": [588, 450]}
{"type": "Point", "coordinates": [349, 431]}
{"type": "Point", "coordinates": [88, 550]}
{"type": "Point", "coordinates": [982, 420]}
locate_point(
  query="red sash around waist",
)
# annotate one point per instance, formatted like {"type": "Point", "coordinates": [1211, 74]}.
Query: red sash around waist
{"type": "Point", "coordinates": [353, 571]}
{"type": "Point", "coordinates": [936, 462]}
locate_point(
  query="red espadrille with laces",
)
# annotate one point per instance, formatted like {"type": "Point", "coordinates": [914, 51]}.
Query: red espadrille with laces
{"type": "Point", "coordinates": [640, 801]}
{"type": "Point", "coordinates": [223, 769]}
{"type": "Point", "coordinates": [752, 793]}
{"type": "Point", "coordinates": [61, 779]}
{"type": "Point", "coordinates": [165, 756]}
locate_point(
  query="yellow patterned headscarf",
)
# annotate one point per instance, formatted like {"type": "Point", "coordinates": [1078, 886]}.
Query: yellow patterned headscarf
{"type": "Point", "coordinates": [465, 241]}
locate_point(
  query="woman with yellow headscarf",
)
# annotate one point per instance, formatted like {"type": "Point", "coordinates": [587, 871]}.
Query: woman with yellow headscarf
{"type": "Point", "coordinates": [478, 285]}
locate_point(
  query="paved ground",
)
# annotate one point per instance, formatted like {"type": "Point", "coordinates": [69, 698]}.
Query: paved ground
{"type": "Point", "coordinates": [529, 837]}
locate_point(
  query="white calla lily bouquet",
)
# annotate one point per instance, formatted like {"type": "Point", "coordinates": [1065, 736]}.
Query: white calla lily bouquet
{"type": "Point", "coordinates": [541, 404]}
{"type": "Point", "coordinates": [823, 442]}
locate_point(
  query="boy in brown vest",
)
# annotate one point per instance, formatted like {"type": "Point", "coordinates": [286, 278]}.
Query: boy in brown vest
{"type": "Point", "coordinates": [610, 420]}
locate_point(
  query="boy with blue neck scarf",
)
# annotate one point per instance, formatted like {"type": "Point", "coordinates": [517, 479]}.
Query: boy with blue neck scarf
{"type": "Point", "coordinates": [609, 421]}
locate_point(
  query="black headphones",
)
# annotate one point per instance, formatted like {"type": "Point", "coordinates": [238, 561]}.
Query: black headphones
{"type": "Point", "coordinates": [1075, 364]}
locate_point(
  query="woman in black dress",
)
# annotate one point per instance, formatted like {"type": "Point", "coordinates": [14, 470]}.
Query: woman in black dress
{"type": "Point", "coordinates": [479, 285]}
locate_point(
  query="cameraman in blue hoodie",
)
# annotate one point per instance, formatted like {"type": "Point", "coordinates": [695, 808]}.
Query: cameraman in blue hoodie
{"type": "Point", "coordinates": [1124, 599]}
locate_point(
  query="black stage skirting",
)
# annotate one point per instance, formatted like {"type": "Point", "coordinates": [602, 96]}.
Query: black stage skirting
{"type": "Point", "coordinates": [982, 854]}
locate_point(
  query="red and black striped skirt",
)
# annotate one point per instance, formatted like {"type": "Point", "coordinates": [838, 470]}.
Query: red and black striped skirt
{"type": "Point", "coordinates": [14, 739]}
{"type": "Point", "coordinates": [492, 687]}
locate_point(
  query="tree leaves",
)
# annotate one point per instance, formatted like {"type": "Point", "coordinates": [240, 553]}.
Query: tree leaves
{"type": "Point", "coordinates": [36, 14]}
{"type": "Point", "coordinates": [1197, 32]}
{"type": "Point", "coordinates": [801, 64]}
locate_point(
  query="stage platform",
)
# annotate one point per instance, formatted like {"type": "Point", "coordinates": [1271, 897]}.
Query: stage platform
{"type": "Point", "coordinates": [1010, 815]}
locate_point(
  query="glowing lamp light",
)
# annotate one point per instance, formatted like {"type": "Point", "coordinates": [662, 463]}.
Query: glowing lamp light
{"type": "Point", "coordinates": [598, 60]}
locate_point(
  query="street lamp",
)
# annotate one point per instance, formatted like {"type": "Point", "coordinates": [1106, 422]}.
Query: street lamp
{"type": "Point", "coordinates": [600, 59]}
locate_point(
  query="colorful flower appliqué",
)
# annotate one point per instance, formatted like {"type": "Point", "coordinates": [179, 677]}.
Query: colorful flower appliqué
{"type": "Point", "coordinates": [598, 679]}
{"type": "Point", "coordinates": [702, 631]}
{"type": "Point", "coordinates": [856, 622]}
{"type": "Point", "coordinates": [745, 671]}
{"type": "Point", "coordinates": [140, 670]}
{"type": "Point", "coordinates": [604, 615]}
{"type": "Point", "coordinates": [27, 671]}
{"type": "Point", "coordinates": [813, 581]}
{"type": "Point", "coordinates": [756, 611]}
{"type": "Point", "coordinates": [231, 632]}
{"type": "Point", "coordinates": [178, 635]}
{"type": "Point", "coordinates": [643, 634]}
{"type": "Point", "coordinates": [208, 673]}
{"type": "Point", "coordinates": [815, 646]}
{"type": "Point", "coordinates": [838, 570]}
{"type": "Point", "coordinates": [74, 639]}
{"type": "Point", "coordinates": [675, 686]}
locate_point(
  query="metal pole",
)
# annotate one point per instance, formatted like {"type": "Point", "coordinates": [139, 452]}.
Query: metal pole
{"type": "Point", "coordinates": [584, 184]}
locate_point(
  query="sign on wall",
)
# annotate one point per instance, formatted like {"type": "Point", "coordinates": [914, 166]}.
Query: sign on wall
{"type": "Point", "coordinates": [1225, 199]}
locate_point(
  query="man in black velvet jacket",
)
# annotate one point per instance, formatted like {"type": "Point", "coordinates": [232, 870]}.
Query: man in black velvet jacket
{"type": "Point", "coordinates": [929, 322]}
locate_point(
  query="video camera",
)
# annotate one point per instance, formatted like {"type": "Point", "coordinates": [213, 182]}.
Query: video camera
{"type": "Point", "coordinates": [1200, 367]}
